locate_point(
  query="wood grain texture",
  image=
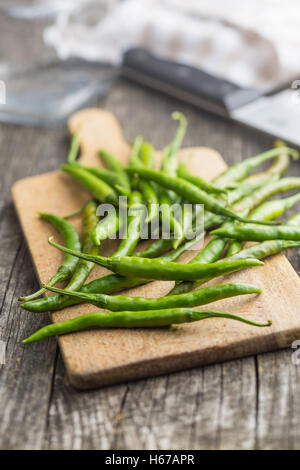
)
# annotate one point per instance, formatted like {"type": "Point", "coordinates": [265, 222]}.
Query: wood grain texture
{"type": "Point", "coordinates": [53, 413]}
{"type": "Point", "coordinates": [26, 377]}
{"type": "Point", "coordinates": [191, 410]}
{"type": "Point", "coordinates": [102, 357]}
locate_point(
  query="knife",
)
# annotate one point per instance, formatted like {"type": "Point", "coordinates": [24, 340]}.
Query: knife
{"type": "Point", "coordinates": [277, 115]}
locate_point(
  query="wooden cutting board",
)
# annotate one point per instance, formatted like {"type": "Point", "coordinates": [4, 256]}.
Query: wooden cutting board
{"type": "Point", "coordinates": [100, 357]}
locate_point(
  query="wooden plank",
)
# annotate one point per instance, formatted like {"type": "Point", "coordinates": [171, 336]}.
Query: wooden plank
{"type": "Point", "coordinates": [82, 421]}
{"type": "Point", "coordinates": [26, 377]}
{"type": "Point", "coordinates": [102, 357]}
{"type": "Point", "coordinates": [191, 410]}
{"type": "Point", "coordinates": [278, 404]}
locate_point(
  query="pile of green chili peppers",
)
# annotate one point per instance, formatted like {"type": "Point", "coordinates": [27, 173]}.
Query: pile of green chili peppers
{"type": "Point", "coordinates": [236, 210]}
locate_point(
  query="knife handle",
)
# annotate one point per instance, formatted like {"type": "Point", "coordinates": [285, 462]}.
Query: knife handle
{"type": "Point", "coordinates": [185, 82]}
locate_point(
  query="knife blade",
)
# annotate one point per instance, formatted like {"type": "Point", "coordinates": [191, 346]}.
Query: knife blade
{"type": "Point", "coordinates": [277, 115]}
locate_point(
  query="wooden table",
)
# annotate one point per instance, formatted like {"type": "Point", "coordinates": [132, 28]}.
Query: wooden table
{"type": "Point", "coordinates": [252, 403]}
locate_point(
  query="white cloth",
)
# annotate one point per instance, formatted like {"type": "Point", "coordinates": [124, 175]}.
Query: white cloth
{"type": "Point", "coordinates": [253, 43]}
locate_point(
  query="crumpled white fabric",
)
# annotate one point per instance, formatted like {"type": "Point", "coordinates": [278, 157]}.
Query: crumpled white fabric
{"type": "Point", "coordinates": [227, 38]}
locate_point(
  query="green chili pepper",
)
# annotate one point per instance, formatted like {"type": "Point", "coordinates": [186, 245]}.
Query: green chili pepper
{"type": "Point", "coordinates": [176, 143]}
{"type": "Point", "coordinates": [246, 187]}
{"type": "Point", "coordinates": [190, 192]}
{"type": "Point", "coordinates": [136, 216]}
{"type": "Point", "coordinates": [234, 247]}
{"type": "Point", "coordinates": [257, 197]}
{"type": "Point", "coordinates": [84, 268]}
{"type": "Point", "coordinates": [115, 165]}
{"type": "Point", "coordinates": [275, 170]}
{"type": "Point", "coordinates": [74, 148]}
{"type": "Point", "coordinates": [192, 299]}
{"type": "Point", "coordinates": [213, 220]}
{"type": "Point", "coordinates": [169, 167]}
{"type": "Point", "coordinates": [269, 210]}
{"type": "Point", "coordinates": [184, 173]}
{"type": "Point", "coordinates": [257, 251]}
{"type": "Point", "coordinates": [186, 223]}
{"type": "Point", "coordinates": [253, 182]}
{"type": "Point", "coordinates": [163, 245]}
{"type": "Point", "coordinates": [112, 162]}
{"type": "Point", "coordinates": [145, 268]}
{"type": "Point", "coordinates": [266, 191]}
{"type": "Point", "coordinates": [256, 234]}
{"type": "Point", "coordinates": [114, 222]}
{"type": "Point", "coordinates": [148, 191]}
{"type": "Point", "coordinates": [78, 211]}
{"type": "Point", "coordinates": [170, 161]}
{"type": "Point", "coordinates": [113, 179]}
{"type": "Point", "coordinates": [151, 199]}
{"type": "Point", "coordinates": [135, 151]}
{"type": "Point", "coordinates": [145, 319]}
{"type": "Point", "coordinates": [279, 165]}
{"type": "Point", "coordinates": [99, 190]}
{"type": "Point", "coordinates": [264, 249]}
{"type": "Point", "coordinates": [147, 155]}
{"type": "Point", "coordinates": [295, 220]}
{"type": "Point", "coordinates": [209, 254]}
{"type": "Point", "coordinates": [71, 239]}
{"type": "Point", "coordinates": [241, 169]}
{"type": "Point", "coordinates": [169, 222]}
{"type": "Point", "coordinates": [261, 250]}
{"type": "Point", "coordinates": [106, 284]}
{"type": "Point", "coordinates": [156, 248]}
{"type": "Point", "coordinates": [134, 158]}
{"type": "Point", "coordinates": [268, 248]}
{"type": "Point", "coordinates": [107, 227]}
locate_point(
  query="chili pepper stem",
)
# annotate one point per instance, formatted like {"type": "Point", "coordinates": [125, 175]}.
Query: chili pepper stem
{"type": "Point", "coordinates": [81, 209]}
{"type": "Point", "coordinates": [104, 261]}
{"type": "Point", "coordinates": [74, 148]}
{"type": "Point", "coordinates": [36, 294]}
{"type": "Point", "coordinates": [58, 277]}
